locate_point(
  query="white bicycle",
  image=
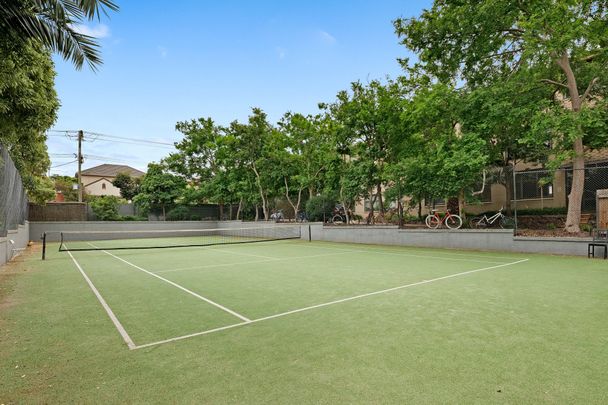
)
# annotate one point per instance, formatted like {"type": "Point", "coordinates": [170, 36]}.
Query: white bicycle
{"type": "Point", "coordinates": [499, 219]}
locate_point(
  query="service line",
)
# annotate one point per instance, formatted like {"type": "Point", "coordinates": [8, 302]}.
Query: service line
{"type": "Point", "coordinates": [326, 304]}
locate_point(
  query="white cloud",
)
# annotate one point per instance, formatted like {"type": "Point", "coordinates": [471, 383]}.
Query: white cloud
{"type": "Point", "coordinates": [98, 31]}
{"type": "Point", "coordinates": [326, 37]}
{"type": "Point", "coordinates": [163, 52]}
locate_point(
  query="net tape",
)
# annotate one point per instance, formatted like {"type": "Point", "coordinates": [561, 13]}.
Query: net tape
{"type": "Point", "coordinates": [158, 239]}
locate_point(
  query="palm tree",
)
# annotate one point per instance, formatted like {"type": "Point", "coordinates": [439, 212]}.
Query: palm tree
{"type": "Point", "coordinates": [54, 23]}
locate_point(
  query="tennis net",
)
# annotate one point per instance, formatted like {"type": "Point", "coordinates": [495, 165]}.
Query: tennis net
{"type": "Point", "coordinates": [159, 239]}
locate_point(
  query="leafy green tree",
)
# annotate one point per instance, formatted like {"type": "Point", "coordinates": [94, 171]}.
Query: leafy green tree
{"type": "Point", "coordinates": [371, 115]}
{"type": "Point", "coordinates": [129, 186]}
{"type": "Point", "coordinates": [28, 107]}
{"type": "Point", "coordinates": [304, 153]}
{"type": "Point", "coordinates": [254, 146]}
{"type": "Point", "coordinates": [159, 189]}
{"type": "Point", "coordinates": [65, 185]}
{"type": "Point", "coordinates": [54, 25]}
{"type": "Point", "coordinates": [561, 43]}
{"type": "Point", "coordinates": [106, 207]}
{"type": "Point", "coordinates": [447, 160]}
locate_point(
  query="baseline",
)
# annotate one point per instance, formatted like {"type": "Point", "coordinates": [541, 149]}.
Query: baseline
{"type": "Point", "coordinates": [339, 301]}
{"type": "Point", "coordinates": [106, 307]}
{"type": "Point", "coordinates": [207, 300]}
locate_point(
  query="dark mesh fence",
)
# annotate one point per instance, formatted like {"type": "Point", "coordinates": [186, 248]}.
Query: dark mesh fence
{"type": "Point", "coordinates": [544, 192]}
{"type": "Point", "coordinates": [13, 199]}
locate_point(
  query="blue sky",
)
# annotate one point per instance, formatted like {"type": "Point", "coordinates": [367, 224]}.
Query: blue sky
{"type": "Point", "coordinates": [166, 62]}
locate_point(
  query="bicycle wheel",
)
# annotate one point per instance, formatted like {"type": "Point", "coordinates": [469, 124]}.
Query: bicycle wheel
{"type": "Point", "coordinates": [478, 223]}
{"type": "Point", "coordinates": [453, 222]}
{"type": "Point", "coordinates": [506, 222]}
{"type": "Point", "coordinates": [432, 221]}
{"type": "Point", "coordinates": [337, 219]}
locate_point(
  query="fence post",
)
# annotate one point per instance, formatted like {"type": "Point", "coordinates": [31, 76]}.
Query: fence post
{"type": "Point", "coordinates": [514, 200]}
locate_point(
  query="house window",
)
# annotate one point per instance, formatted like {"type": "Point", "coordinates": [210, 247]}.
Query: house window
{"type": "Point", "coordinates": [530, 185]}
{"type": "Point", "coordinates": [103, 186]}
{"type": "Point", "coordinates": [431, 202]}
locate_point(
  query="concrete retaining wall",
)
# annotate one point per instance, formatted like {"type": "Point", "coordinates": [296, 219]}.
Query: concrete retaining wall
{"type": "Point", "coordinates": [493, 240]}
{"type": "Point", "coordinates": [20, 238]}
{"type": "Point", "coordinates": [490, 240]}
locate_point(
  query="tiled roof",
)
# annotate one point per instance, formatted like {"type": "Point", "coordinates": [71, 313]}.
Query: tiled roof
{"type": "Point", "coordinates": [107, 170]}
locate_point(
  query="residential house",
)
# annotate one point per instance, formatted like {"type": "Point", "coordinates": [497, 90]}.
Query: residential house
{"type": "Point", "coordinates": [98, 180]}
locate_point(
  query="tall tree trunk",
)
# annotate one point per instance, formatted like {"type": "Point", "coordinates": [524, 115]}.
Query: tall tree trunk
{"type": "Point", "coordinates": [238, 210]}
{"type": "Point", "coordinates": [261, 191]}
{"type": "Point", "coordinates": [221, 211]}
{"type": "Point", "coordinates": [419, 207]}
{"type": "Point", "coordinates": [461, 203]}
{"type": "Point", "coordinates": [379, 193]}
{"type": "Point", "coordinates": [164, 214]}
{"type": "Point", "coordinates": [257, 215]}
{"type": "Point", "coordinates": [296, 206]}
{"type": "Point", "coordinates": [575, 198]}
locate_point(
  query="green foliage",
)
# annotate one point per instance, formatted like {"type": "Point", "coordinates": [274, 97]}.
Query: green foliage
{"type": "Point", "coordinates": [28, 107]}
{"type": "Point", "coordinates": [179, 213]}
{"type": "Point", "coordinates": [159, 189]}
{"type": "Point", "coordinates": [65, 184]}
{"type": "Point", "coordinates": [106, 207]}
{"type": "Point", "coordinates": [129, 186]}
{"type": "Point", "coordinates": [54, 24]}
{"type": "Point", "coordinates": [510, 45]}
{"type": "Point", "coordinates": [320, 207]}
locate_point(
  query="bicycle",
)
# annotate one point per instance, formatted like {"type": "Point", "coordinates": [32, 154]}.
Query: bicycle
{"type": "Point", "coordinates": [501, 219]}
{"type": "Point", "coordinates": [452, 221]}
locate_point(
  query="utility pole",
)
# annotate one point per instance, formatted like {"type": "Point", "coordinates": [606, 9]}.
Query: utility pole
{"type": "Point", "coordinates": [80, 159]}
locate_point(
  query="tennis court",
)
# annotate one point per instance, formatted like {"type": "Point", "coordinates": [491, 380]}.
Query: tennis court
{"type": "Point", "coordinates": [212, 281]}
{"type": "Point", "coordinates": [118, 317]}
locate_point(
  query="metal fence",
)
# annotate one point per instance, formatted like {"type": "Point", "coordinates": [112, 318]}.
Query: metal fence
{"type": "Point", "coordinates": [13, 199]}
{"type": "Point", "coordinates": [545, 193]}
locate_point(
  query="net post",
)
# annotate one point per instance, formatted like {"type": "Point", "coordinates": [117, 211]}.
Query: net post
{"type": "Point", "coordinates": [60, 241]}
{"type": "Point", "coordinates": [44, 246]}
{"type": "Point", "coordinates": [309, 234]}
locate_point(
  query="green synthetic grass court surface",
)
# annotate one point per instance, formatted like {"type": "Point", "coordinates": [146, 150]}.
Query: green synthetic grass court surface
{"type": "Point", "coordinates": [300, 322]}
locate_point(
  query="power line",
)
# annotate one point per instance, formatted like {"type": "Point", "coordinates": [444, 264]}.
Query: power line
{"type": "Point", "coordinates": [111, 138]}
{"type": "Point", "coordinates": [64, 164]}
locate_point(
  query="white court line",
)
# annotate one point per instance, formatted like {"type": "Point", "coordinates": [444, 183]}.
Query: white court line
{"type": "Point", "coordinates": [206, 332]}
{"type": "Point", "coordinates": [249, 262]}
{"type": "Point", "coordinates": [207, 300]}
{"type": "Point", "coordinates": [104, 304]}
{"type": "Point", "coordinates": [384, 252]}
{"type": "Point", "coordinates": [433, 251]}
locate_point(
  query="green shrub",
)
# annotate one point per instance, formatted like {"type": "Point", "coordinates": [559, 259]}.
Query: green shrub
{"type": "Point", "coordinates": [586, 227]}
{"type": "Point", "coordinates": [106, 207]}
{"type": "Point", "coordinates": [195, 217]}
{"type": "Point", "coordinates": [132, 218]}
{"type": "Point", "coordinates": [179, 213]}
{"type": "Point", "coordinates": [319, 206]}
{"type": "Point", "coordinates": [551, 226]}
